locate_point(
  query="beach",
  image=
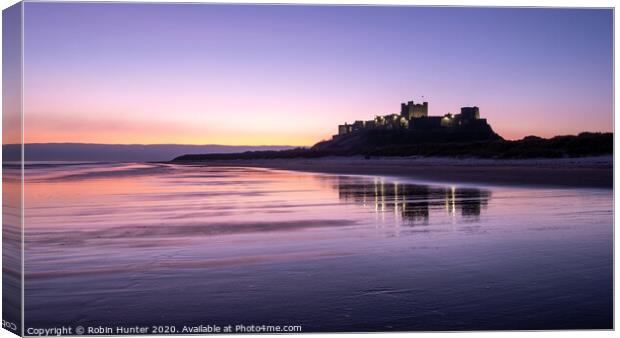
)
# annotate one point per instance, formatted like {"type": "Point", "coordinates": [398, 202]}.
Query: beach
{"type": "Point", "coordinates": [209, 245]}
{"type": "Point", "coordinates": [585, 172]}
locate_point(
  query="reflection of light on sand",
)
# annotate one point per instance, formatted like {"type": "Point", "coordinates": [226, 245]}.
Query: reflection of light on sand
{"type": "Point", "coordinates": [376, 195]}
{"type": "Point", "coordinates": [452, 193]}
{"type": "Point", "coordinates": [396, 204]}
{"type": "Point", "coordinates": [452, 210]}
{"type": "Point", "coordinates": [382, 185]}
{"type": "Point", "coordinates": [451, 201]}
{"type": "Point", "coordinates": [379, 207]}
{"type": "Point", "coordinates": [399, 204]}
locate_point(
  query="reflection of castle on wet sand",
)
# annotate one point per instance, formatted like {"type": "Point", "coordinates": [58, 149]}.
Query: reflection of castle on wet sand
{"type": "Point", "coordinates": [411, 201]}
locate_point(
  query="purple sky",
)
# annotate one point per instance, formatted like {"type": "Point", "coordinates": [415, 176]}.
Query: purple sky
{"type": "Point", "coordinates": [194, 73]}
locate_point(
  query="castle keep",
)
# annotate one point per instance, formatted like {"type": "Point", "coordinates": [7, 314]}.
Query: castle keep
{"type": "Point", "coordinates": [414, 116]}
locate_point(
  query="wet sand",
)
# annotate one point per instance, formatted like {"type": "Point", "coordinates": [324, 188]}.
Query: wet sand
{"type": "Point", "coordinates": [198, 245]}
{"type": "Point", "coordinates": [590, 172]}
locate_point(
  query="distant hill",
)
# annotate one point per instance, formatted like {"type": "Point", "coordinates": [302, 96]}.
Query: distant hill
{"type": "Point", "coordinates": [118, 152]}
{"type": "Point", "coordinates": [584, 144]}
{"type": "Point", "coordinates": [363, 140]}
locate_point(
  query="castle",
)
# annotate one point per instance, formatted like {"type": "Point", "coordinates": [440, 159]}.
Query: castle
{"type": "Point", "coordinates": [414, 116]}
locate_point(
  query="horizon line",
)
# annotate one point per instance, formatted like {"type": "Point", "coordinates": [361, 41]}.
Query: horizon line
{"type": "Point", "coordinates": [152, 144]}
{"type": "Point", "coordinates": [246, 145]}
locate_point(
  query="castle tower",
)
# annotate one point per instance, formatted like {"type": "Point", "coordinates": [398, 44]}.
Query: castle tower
{"type": "Point", "coordinates": [412, 110]}
{"type": "Point", "coordinates": [470, 113]}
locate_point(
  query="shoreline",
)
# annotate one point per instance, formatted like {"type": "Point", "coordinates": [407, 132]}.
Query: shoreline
{"type": "Point", "coordinates": [584, 172]}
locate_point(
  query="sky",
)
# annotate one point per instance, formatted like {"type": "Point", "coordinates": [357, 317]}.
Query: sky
{"type": "Point", "coordinates": [288, 75]}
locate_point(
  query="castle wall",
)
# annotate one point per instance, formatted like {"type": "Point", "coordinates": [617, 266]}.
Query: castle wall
{"type": "Point", "coordinates": [415, 116]}
{"type": "Point", "coordinates": [428, 122]}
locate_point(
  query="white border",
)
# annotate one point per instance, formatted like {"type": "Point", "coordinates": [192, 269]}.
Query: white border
{"type": "Point", "coordinates": [486, 3]}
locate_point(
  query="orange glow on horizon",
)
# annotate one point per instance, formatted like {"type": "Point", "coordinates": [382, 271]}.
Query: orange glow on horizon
{"type": "Point", "coordinates": [163, 135]}
{"type": "Point", "coordinates": [190, 136]}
